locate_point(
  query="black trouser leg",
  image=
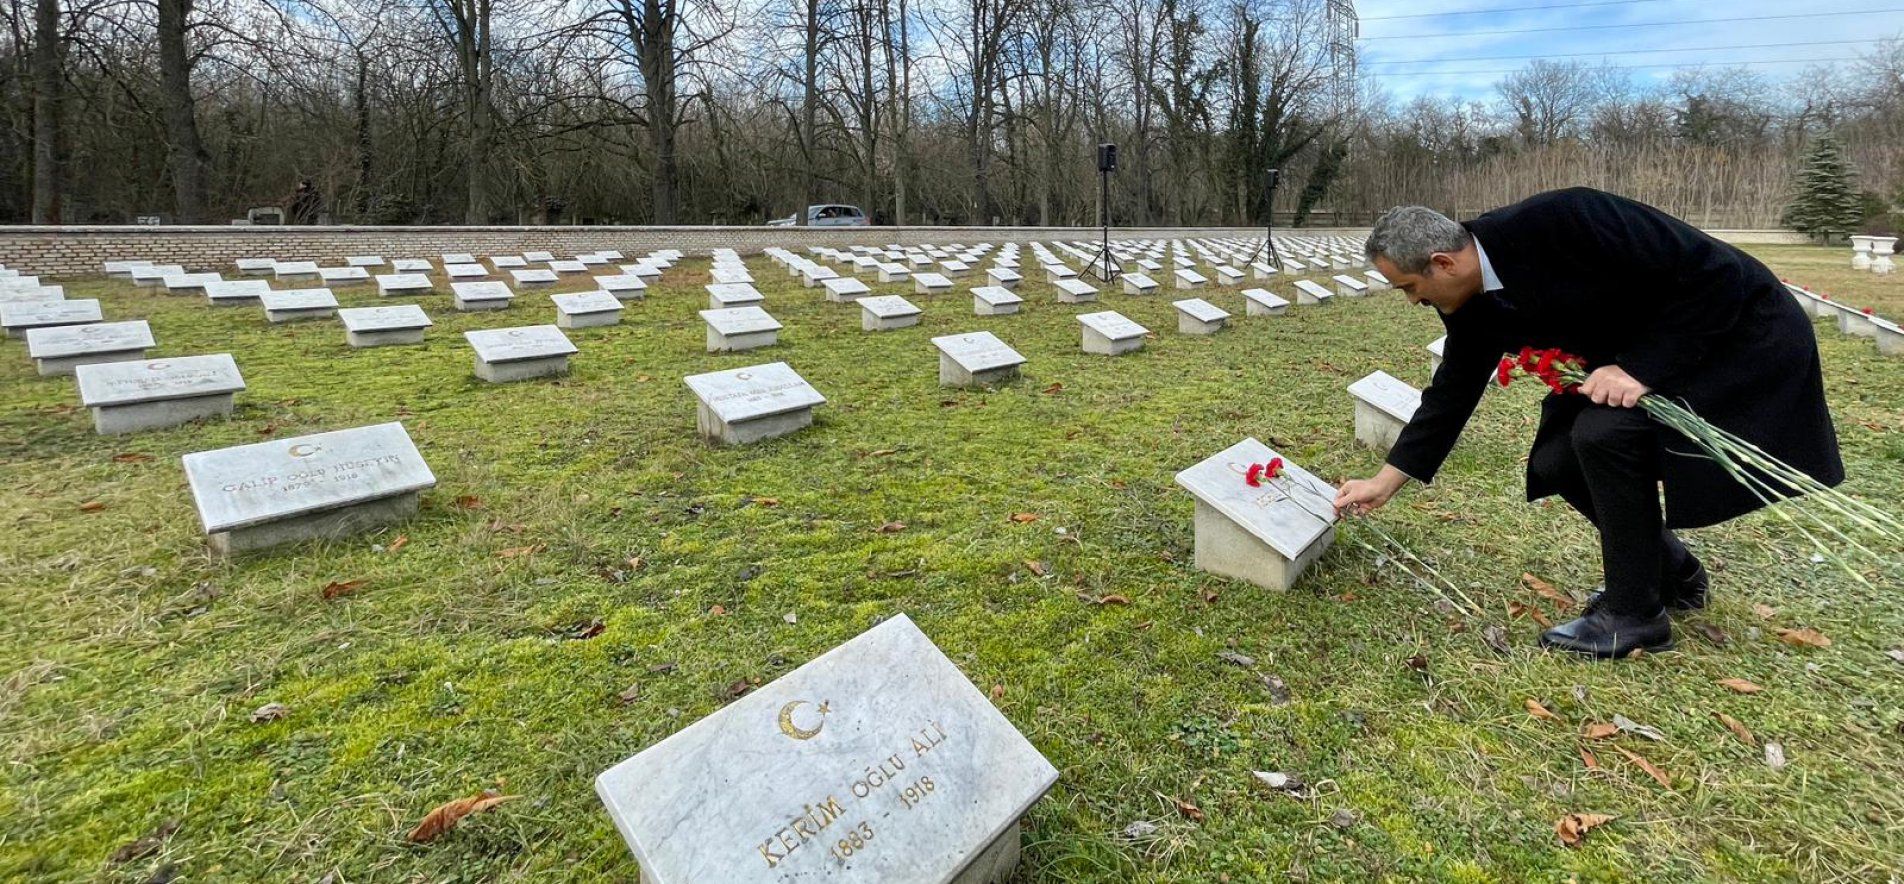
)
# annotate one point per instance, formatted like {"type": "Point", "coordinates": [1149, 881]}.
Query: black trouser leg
{"type": "Point", "coordinates": [1619, 460]}
{"type": "Point", "coordinates": [1560, 466]}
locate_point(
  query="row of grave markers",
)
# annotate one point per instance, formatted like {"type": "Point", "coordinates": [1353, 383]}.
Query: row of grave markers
{"type": "Point", "coordinates": [877, 761]}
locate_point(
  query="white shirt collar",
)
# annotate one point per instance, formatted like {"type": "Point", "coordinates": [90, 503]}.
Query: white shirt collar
{"type": "Point", "coordinates": [1489, 282]}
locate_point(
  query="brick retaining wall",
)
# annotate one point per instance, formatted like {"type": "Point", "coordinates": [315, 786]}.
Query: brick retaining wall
{"type": "Point", "coordinates": [82, 250]}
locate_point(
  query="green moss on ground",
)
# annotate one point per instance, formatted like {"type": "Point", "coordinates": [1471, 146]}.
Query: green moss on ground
{"type": "Point", "coordinates": [132, 660]}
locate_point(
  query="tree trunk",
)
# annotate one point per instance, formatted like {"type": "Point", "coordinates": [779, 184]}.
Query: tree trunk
{"type": "Point", "coordinates": [361, 97]}
{"type": "Point", "coordinates": [48, 83]}
{"type": "Point", "coordinates": [809, 108]}
{"type": "Point", "coordinates": [185, 152]}
{"type": "Point", "coordinates": [655, 42]}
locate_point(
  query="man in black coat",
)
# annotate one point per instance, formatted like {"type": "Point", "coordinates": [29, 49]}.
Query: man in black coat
{"type": "Point", "coordinates": [1654, 306]}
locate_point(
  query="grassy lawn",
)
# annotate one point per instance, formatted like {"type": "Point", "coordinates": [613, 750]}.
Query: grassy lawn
{"type": "Point", "coordinates": [130, 661]}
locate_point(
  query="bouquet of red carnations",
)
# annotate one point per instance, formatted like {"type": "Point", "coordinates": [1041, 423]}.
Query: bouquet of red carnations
{"type": "Point", "coordinates": [1834, 513]}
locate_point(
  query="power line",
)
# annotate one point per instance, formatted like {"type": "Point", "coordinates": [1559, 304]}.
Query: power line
{"type": "Point", "coordinates": [1654, 24]}
{"type": "Point", "coordinates": [1505, 9]}
{"type": "Point", "coordinates": [1621, 52]}
{"type": "Point", "coordinates": [1625, 67]}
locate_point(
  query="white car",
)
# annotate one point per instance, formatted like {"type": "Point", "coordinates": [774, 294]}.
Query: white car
{"type": "Point", "coordinates": [827, 216]}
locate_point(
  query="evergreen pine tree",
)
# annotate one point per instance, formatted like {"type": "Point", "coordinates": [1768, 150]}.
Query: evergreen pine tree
{"type": "Point", "coordinates": [1825, 204]}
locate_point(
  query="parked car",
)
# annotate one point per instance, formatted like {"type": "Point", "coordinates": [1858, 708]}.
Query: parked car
{"type": "Point", "coordinates": [827, 216]}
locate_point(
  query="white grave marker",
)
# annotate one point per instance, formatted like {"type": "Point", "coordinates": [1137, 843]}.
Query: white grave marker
{"type": "Point", "coordinates": [290, 305]}
{"type": "Point", "coordinates": [739, 328]}
{"type": "Point", "coordinates": [1138, 284]}
{"type": "Point", "coordinates": [993, 300]}
{"type": "Point", "coordinates": [395, 284]}
{"type": "Point", "coordinates": [725, 295]}
{"type": "Point", "coordinates": [236, 292]}
{"type": "Point", "coordinates": [1265, 534]}
{"type": "Point", "coordinates": [60, 349]}
{"type": "Point", "coordinates": [586, 309]}
{"type": "Point", "coordinates": [1075, 291]}
{"type": "Point", "coordinates": [877, 762]}
{"type": "Point", "coordinates": [1110, 334]}
{"type": "Point", "coordinates": [930, 283]}
{"type": "Point", "coordinates": [1383, 406]}
{"type": "Point", "coordinates": [744, 405]}
{"type": "Point", "coordinates": [537, 276]}
{"type": "Point", "coordinates": [1003, 277]}
{"type": "Point", "coordinates": [17, 317]}
{"type": "Point", "coordinates": [975, 359]}
{"type": "Point", "coordinates": [1196, 316]}
{"type": "Point", "coordinates": [1190, 279]}
{"type": "Point", "coordinates": [325, 485]}
{"type": "Point", "coordinates": [887, 312]}
{"type": "Point", "coordinates": [126, 397]}
{"type": "Point", "coordinates": [1261, 302]}
{"type": "Point", "coordinates": [504, 355]}
{"type": "Point", "coordinates": [843, 289]}
{"type": "Point", "coordinates": [472, 297]}
{"type": "Point", "coordinates": [384, 326]}
{"type": "Point", "coordinates": [1310, 292]}
{"type": "Point", "coordinates": [1349, 286]}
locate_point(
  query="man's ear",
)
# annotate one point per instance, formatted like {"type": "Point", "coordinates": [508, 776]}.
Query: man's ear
{"type": "Point", "coordinates": [1442, 261]}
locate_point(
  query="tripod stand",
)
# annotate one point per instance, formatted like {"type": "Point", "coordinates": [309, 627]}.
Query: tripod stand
{"type": "Point", "coordinates": [1269, 220]}
{"type": "Point", "coordinates": [1103, 265]}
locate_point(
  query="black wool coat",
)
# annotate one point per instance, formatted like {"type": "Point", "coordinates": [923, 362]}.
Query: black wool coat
{"type": "Point", "coordinates": [1621, 283]}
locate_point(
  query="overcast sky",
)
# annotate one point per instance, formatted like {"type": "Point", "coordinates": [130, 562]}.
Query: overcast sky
{"type": "Point", "coordinates": [1445, 52]}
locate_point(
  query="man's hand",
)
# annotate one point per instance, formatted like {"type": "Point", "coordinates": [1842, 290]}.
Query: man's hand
{"type": "Point", "coordinates": [1611, 385]}
{"type": "Point", "coordinates": [1363, 496]}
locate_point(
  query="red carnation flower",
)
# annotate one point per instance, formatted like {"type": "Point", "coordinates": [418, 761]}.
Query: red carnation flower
{"type": "Point", "coordinates": [1504, 372]}
{"type": "Point", "coordinates": [1867, 311]}
{"type": "Point", "coordinates": [1274, 469]}
{"type": "Point", "coordinates": [1255, 470]}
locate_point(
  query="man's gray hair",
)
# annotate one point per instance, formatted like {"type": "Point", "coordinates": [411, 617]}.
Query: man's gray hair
{"type": "Point", "coordinates": [1409, 235]}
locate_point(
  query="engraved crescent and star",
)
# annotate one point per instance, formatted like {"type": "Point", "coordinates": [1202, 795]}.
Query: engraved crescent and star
{"type": "Point", "coordinates": [797, 732]}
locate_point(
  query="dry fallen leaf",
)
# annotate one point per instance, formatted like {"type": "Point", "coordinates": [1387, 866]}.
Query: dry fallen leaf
{"type": "Point", "coordinates": [1190, 811]}
{"type": "Point", "coordinates": [630, 695]}
{"type": "Point", "coordinates": [1651, 771]}
{"type": "Point", "coordinates": [1054, 389]}
{"type": "Point", "coordinates": [1575, 826]}
{"type": "Point", "coordinates": [717, 611]}
{"type": "Point", "coordinates": [1804, 638]}
{"type": "Point", "coordinates": [1547, 591]}
{"type": "Point", "coordinates": [892, 527]}
{"type": "Point", "coordinates": [1113, 600]}
{"type": "Point", "coordinates": [338, 588]}
{"type": "Point", "coordinates": [1587, 758]}
{"type": "Point", "coordinates": [1741, 685]}
{"type": "Point", "coordinates": [1022, 518]}
{"type": "Point", "coordinates": [131, 457]}
{"type": "Point", "coordinates": [1764, 611]}
{"type": "Point", "coordinates": [269, 712]}
{"type": "Point", "coordinates": [402, 541]}
{"type": "Point", "coordinates": [1737, 729]}
{"type": "Point", "coordinates": [1538, 711]}
{"type": "Point", "coordinates": [766, 501]}
{"type": "Point", "coordinates": [1036, 567]}
{"type": "Point", "coordinates": [446, 817]}
{"type": "Point", "coordinates": [469, 502]}
{"type": "Point", "coordinates": [91, 506]}
{"type": "Point", "coordinates": [1599, 730]}
{"type": "Point", "coordinates": [998, 692]}
{"type": "Point", "coordinates": [883, 452]}
{"type": "Point", "coordinates": [519, 551]}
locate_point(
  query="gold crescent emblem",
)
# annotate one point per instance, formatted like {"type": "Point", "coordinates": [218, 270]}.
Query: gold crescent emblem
{"type": "Point", "coordinates": [305, 449]}
{"type": "Point", "coordinates": [795, 731]}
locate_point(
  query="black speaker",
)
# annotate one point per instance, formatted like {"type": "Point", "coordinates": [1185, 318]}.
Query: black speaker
{"type": "Point", "coordinates": [1273, 177]}
{"type": "Point", "coordinates": [1107, 158]}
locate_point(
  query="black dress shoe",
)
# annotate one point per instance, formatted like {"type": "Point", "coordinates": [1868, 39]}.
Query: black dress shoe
{"type": "Point", "coordinates": [1603, 633]}
{"type": "Point", "coordinates": [1685, 594]}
